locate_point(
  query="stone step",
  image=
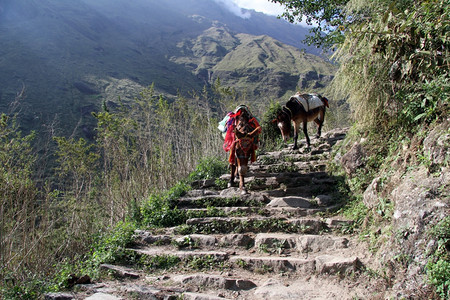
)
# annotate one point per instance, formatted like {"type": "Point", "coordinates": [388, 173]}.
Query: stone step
{"type": "Point", "coordinates": [200, 296]}
{"type": "Point", "coordinates": [273, 242]}
{"type": "Point", "coordinates": [288, 164]}
{"type": "Point", "coordinates": [268, 211]}
{"type": "Point", "coordinates": [223, 200]}
{"type": "Point", "coordinates": [255, 224]}
{"type": "Point", "coordinates": [302, 191]}
{"type": "Point", "coordinates": [325, 264]}
{"type": "Point", "coordinates": [182, 254]}
{"type": "Point", "coordinates": [215, 281]}
{"type": "Point", "coordinates": [254, 261]}
{"type": "Point", "coordinates": [120, 272]}
{"type": "Point", "coordinates": [196, 240]}
{"type": "Point", "coordinates": [300, 243]}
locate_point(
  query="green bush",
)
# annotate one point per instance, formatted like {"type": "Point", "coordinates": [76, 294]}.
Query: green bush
{"type": "Point", "coordinates": [160, 210]}
{"type": "Point", "coordinates": [160, 261]}
{"type": "Point", "coordinates": [111, 247]}
{"type": "Point", "coordinates": [208, 168]}
{"type": "Point", "coordinates": [439, 275]}
{"type": "Point", "coordinates": [270, 135]}
{"type": "Point", "coordinates": [438, 267]}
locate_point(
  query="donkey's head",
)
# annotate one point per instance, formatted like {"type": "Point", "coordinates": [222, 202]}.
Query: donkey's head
{"type": "Point", "coordinates": [283, 121]}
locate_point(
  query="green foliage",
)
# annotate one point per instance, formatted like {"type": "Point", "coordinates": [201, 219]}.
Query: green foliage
{"type": "Point", "coordinates": [270, 135]}
{"type": "Point", "coordinates": [78, 163]}
{"type": "Point", "coordinates": [160, 261]}
{"type": "Point", "coordinates": [425, 103]}
{"type": "Point", "coordinates": [111, 247]}
{"type": "Point", "coordinates": [208, 168]}
{"type": "Point", "coordinates": [327, 16]}
{"type": "Point", "coordinates": [285, 167]}
{"type": "Point", "coordinates": [438, 266]}
{"type": "Point", "coordinates": [438, 273]}
{"type": "Point", "coordinates": [221, 184]}
{"type": "Point", "coordinates": [207, 262]}
{"type": "Point", "coordinates": [159, 210]}
{"type": "Point", "coordinates": [394, 64]}
{"type": "Point", "coordinates": [356, 211]}
{"type": "Point", "coordinates": [28, 290]}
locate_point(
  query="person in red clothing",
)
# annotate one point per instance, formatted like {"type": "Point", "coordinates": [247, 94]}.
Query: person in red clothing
{"type": "Point", "coordinates": [241, 142]}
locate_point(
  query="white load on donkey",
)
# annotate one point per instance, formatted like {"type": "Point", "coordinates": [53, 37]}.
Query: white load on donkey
{"type": "Point", "coordinates": [240, 129]}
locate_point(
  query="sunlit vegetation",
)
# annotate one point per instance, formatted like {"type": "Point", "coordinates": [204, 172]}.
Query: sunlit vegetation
{"type": "Point", "coordinates": [393, 59]}
{"type": "Point", "coordinates": [130, 173]}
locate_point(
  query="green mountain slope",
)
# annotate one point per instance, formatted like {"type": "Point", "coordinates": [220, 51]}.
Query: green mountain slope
{"type": "Point", "coordinates": [72, 55]}
{"type": "Point", "coordinates": [260, 65]}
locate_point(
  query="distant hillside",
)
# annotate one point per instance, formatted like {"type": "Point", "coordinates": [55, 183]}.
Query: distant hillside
{"type": "Point", "coordinates": [73, 55]}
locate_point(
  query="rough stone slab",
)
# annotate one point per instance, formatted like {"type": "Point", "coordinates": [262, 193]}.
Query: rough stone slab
{"type": "Point", "coordinates": [240, 240]}
{"type": "Point", "coordinates": [328, 264]}
{"type": "Point", "coordinates": [103, 296]}
{"type": "Point", "coordinates": [323, 200]}
{"type": "Point", "coordinates": [183, 254]}
{"type": "Point", "coordinates": [224, 220]}
{"type": "Point", "coordinates": [141, 292]}
{"type": "Point", "coordinates": [290, 201]}
{"type": "Point", "coordinates": [146, 237]}
{"type": "Point", "coordinates": [198, 296]}
{"type": "Point", "coordinates": [317, 243]}
{"type": "Point", "coordinates": [58, 296]}
{"type": "Point", "coordinates": [336, 223]}
{"type": "Point", "coordinates": [199, 239]}
{"type": "Point", "coordinates": [120, 271]}
{"type": "Point", "coordinates": [288, 211]}
{"type": "Point", "coordinates": [287, 241]}
{"type": "Point", "coordinates": [201, 192]}
{"type": "Point", "coordinates": [275, 263]}
{"type": "Point", "coordinates": [317, 289]}
{"type": "Point", "coordinates": [309, 225]}
{"type": "Point", "coordinates": [215, 281]}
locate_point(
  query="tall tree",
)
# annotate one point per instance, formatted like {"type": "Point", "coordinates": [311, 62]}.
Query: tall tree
{"type": "Point", "coordinates": [327, 16]}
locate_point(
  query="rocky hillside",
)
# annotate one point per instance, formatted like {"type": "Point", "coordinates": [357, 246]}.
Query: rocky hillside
{"type": "Point", "coordinates": [281, 241]}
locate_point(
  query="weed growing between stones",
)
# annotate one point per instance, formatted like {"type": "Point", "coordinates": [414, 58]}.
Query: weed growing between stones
{"type": "Point", "coordinates": [160, 262]}
{"type": "Point", "coordinates": [207, 262]}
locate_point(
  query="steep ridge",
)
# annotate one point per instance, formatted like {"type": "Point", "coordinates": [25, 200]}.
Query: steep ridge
{"type": "Point", "coordinates": [281, 241]}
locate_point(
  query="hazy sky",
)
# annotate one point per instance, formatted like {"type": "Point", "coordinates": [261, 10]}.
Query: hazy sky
{"type": "Point", "coordinates": [264, 6]}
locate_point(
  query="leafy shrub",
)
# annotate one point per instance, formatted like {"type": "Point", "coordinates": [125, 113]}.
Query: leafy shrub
{"type": "Point", "coordinates": [438, 267]}
{"type": "Point", "coordinates": [112, 246]}
{"type": "Point", "coordinates": [270, 135]}
{"type": "Point", "coordinates": [160, 209]}
{"type": "Point", "coordinates": [160, 261]}
{"type": "Point", "coordinates": [439, 275]}
{"type": "Point", "coordinates": [208, 168]}
{"type": "Point", "coordinates": [26, 290]}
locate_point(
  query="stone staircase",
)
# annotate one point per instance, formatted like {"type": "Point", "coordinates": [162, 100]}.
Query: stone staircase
{"type": "Point", "coordinates": [280, 241]}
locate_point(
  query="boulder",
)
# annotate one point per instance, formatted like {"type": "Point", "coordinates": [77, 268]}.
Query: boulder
{"type": "Point", "coordinates": [353, 159]}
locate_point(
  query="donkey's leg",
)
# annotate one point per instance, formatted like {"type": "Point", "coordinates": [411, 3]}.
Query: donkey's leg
{"type": "Point", "coordinates": [233, 175]}
{"type": "Point", "coordinates": [305, 131]}
{"type": "Point", "coordinates": [319, 121]}
{"type": "Point", "coordinates": [242, 167]}
{"type": "Point", "coordinates": [295, 135]}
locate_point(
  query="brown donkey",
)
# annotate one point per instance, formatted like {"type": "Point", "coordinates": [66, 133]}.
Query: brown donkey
{"type": "Point", "coordinates": [301, 108]}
